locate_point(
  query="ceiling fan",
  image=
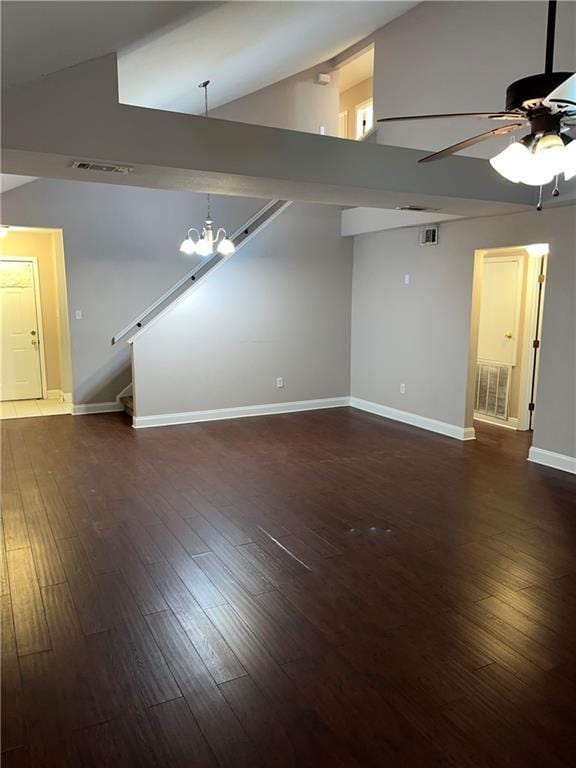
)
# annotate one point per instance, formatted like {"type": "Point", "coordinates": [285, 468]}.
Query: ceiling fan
{"type": "Point", "coordinates": [546, 103]}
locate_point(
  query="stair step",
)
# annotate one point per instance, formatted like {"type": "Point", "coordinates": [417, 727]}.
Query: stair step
{"type": "Point", "coordinates": [128, 403]}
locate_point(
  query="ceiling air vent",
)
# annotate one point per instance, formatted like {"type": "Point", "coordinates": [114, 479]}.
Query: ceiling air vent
{"type": "Point", "coordinates": [418, 208]}
{"type": "Point", "coordinates": [88, 165]}
{"type": "Point", "coordinates": [428, 236]}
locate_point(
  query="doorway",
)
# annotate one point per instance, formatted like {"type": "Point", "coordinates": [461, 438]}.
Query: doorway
{"type": "Point", "coordinates": [508, 299]}
{"type": "Point", "coordinates": [35, 372]}
{"type": "Point", "coordinates": [356, 112]}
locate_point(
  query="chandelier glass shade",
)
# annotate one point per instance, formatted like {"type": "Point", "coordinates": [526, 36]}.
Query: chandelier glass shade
{"type": "Point", "coordinates": [539, 163]}
{"type": "Point", "coordinates": [205, 242]}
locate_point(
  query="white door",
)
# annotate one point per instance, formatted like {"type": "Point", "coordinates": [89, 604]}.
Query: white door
{"type": "Point", "coordinates": [500, 310]}
{"type": "Point", "coordinates": [20, 373]}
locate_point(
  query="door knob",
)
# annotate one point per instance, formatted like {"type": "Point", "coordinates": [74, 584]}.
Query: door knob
{"type": "Point", "coordinates": [508, 335]}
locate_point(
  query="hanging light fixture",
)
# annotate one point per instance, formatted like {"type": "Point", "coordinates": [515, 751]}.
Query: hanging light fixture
{"type": "Point", "coordinates": [537, 162]}
{"type": "Point", "coordinates": [206, 242]}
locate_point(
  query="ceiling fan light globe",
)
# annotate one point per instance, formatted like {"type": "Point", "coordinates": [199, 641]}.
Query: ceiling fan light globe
{"type": "Point", "coordinates": [204, 247]}
{"type": "Point", "coordinates": [537, 171]}
{"type": "Point", "coordinates": [511, 162]}
{"type": "Point", "coordinates": [188, 247]}
{"type": "Point", "coordinates": [550, 155]}
{"type": "Point", "coordinates": [226, 247]}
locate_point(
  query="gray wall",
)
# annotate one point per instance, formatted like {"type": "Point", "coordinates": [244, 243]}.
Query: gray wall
{"type": "Point", "coordinates": [121, 251]}
{"type": "Point", "coordinates": [298, 103]}
{"type": "Point", "coordinates": [461, 56]}
{"type": "Point", "coordinates": [280, 307]}
{"type": "Point", "coordinates": [418, 334]}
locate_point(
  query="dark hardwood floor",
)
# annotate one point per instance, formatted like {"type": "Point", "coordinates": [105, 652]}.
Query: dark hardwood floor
{"type": "Point", "coordinates": [306, 590]}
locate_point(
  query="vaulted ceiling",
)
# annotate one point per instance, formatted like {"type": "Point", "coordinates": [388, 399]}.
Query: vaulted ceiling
{"type": "Point", "coordinates": [167, 48]}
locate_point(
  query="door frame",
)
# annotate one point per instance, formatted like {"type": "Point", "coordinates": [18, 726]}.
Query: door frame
{"type": "Point", "coordinates": [38, 301]}
{"type": "Point", "coordinates": [358, 108]}
{"type": "Point", "coordinates": [536, 266]}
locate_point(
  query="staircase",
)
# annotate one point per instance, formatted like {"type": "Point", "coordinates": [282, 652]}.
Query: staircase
{"type": "Point", "coordinates": [193, 279]}
{"type": "Point", "coordinates": [128, 403]}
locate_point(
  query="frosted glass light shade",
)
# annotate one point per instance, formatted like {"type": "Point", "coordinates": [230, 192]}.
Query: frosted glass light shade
{"type": "Point", "coordinates": [226, 247]}
{"type": "Point", "coordinates": [511, 162]}
{"type": "Point", "coordinates": [188, 246]}
{"type": "Point", "coordinates": [536, 172]}
{"type": "Point", "coordinates": [204, 247]}
{"type": "Point", "coordinates": [550, 153]}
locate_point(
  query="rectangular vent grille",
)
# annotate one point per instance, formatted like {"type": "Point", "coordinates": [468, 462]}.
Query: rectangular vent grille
{"type": "Point", "coordinates": [429, 236]}
{"type": "Point", "coordinates": [493, 390]}
{"type": "Point", "coordinates": [87, 165]}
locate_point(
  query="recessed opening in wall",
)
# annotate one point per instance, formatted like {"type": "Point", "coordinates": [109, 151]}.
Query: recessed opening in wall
{"type": "Point", "coordinates": [36, 370]}
{"type": "Point", "coordinates": [356, 115]}
{"type": "Point", "coordinates": [508, 299]}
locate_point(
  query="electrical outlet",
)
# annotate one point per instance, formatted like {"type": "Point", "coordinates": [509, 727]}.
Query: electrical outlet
{"type": "Point", "coordinates": [402, 389]}
{"type": "Point", "coordinates": [280, 382]}
{"type": "Point", "coordinates": [406, 279]}
{"type": "Point", "coordinates": [78, 314]}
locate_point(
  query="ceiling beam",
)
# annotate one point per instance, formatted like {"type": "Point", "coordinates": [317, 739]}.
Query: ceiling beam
{"type": "Point", "coordinates": [74, 114]}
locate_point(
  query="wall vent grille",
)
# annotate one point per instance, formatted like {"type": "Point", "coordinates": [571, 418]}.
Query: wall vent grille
{"type": "Point", "coordinates": [428, 236]}
{"type": "Point", "coordinates": [493, 389]}
{"type": "Point", "coordinates": [88, 165]}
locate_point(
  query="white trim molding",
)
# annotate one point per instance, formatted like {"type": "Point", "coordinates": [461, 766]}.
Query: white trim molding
{"type": "Point", "coordinates": [54, 394]}
{"type": "Point", "coordinates": [414, 419]}
{"type": "Point", "coordinates": [551, 459]}
{"type": "Point", "coordinates": [83, 409]}
{"type": "Point", "coordinates": [191, 417]}
{"type": "Point", "coordinates": [509, 423]}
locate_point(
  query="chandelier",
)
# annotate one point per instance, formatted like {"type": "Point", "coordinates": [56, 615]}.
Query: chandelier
{"type": "Point", "coordinates": [206, 241]}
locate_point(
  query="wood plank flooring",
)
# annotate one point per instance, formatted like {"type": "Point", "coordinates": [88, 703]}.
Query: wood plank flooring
{"type": "Point", "coordinates": [303, 590]}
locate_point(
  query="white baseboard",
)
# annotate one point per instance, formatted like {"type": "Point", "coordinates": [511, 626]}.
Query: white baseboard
{"type": "Point", "coordinates": [432, 425]}
{"type": "Point", "coordinates": [551, 459]}
{"type": "Point", "coordinates": [191, 417]}
{"type": "Point", "coordinates": [66, 397]}
{"type": "Point", "coordinates": [83, 409]}
{"type": "Point", "coordinates": [54, 394]}
{"type": "Point", "coordinates": [507, 424]}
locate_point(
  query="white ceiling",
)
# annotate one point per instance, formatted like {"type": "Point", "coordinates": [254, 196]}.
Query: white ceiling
{"type": "Point", "coordinates": [42, 37]}
{"type": "Point", "coordinates": [7, 181]}
{"type": "Point", "coordinates": [243, 47]}
{"type": "Point", "coordinates": [167, 48]}
{"type": "Point", "coordinates": [357, 70]}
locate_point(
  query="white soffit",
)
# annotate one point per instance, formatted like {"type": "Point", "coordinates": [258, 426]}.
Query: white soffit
{"type": "Point", "coordinates": [8, 181]}
{"type": "Point", "coordinates": [359, 221]}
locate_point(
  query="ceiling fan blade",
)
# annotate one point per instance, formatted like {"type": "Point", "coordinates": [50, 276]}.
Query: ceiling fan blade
{"type": "Point", "coordinates": [564, 94]}
{"type": "Point", "coordinates": [478, 115]}
{"type": "Point", "coordinates": [504, 129]}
